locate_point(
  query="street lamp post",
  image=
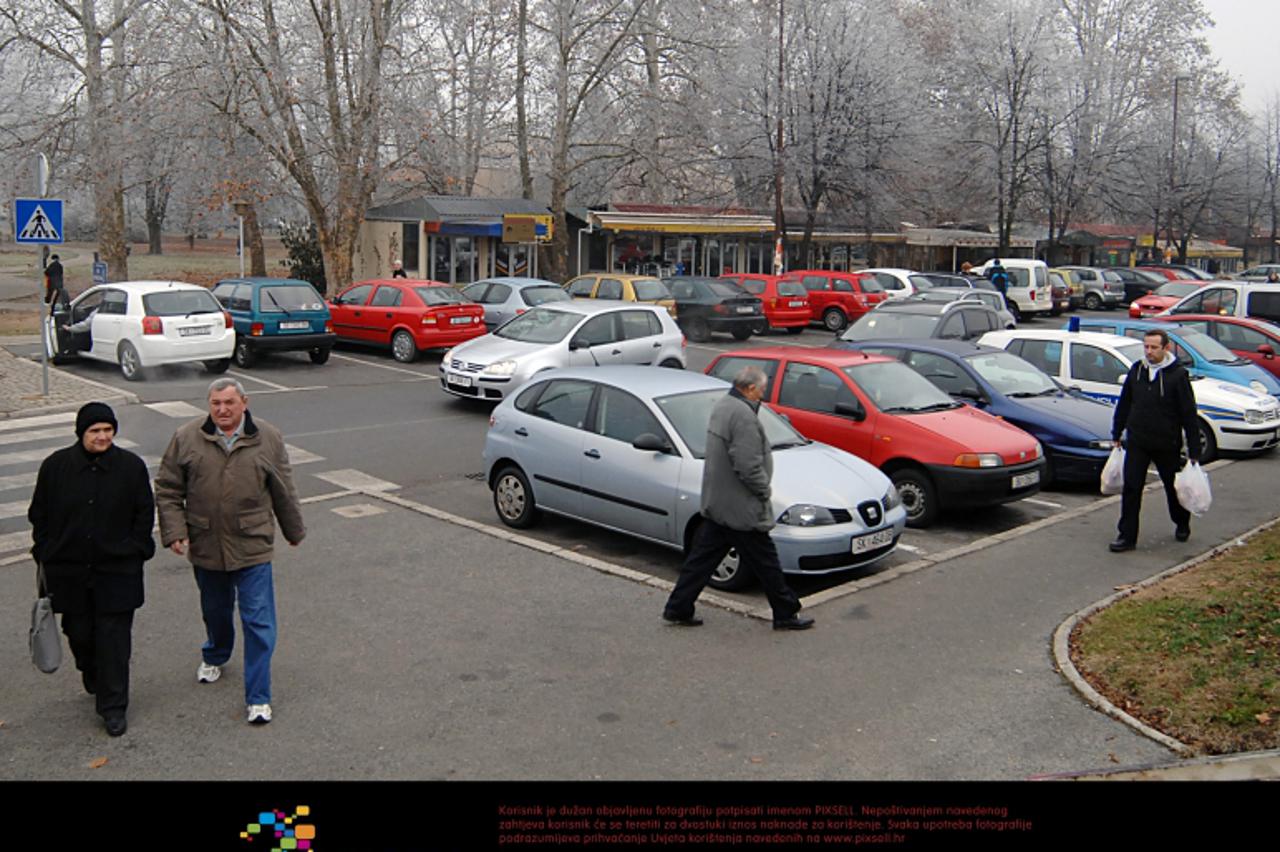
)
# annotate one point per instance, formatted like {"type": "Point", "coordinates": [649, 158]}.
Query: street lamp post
{"type": "Point", "coordinates": [242, 209]}
{"type": "Point", "coordinates": [1173, 158]}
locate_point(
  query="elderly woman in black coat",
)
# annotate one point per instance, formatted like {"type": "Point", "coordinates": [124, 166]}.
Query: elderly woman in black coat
{"type": "Point", "coordinates": [91, 516]}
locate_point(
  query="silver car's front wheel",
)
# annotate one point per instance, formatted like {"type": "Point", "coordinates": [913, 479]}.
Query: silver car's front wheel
{"type": "Point", "coordinates": [729, 575]}
{"type": "Point", "coordinates": [513, 498]}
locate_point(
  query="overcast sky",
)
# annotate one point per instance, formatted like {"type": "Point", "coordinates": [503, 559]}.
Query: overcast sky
{"type": "Point", "coordinates": [1246, 41]}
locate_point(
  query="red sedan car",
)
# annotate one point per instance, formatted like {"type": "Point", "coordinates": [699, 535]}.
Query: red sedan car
{"type": "Point", "coordinates": [838, 299]}
{"type": "Point", "coordinates": [1254, 339]}
{"type": "Point", "coordinates": [1162, 298]}
{"type": "Point", "coordinates": [407, 316]}
{"type": "Point", "coordinates": [786, 303]}
{"type": "Point", "coordinates": [938, 452]}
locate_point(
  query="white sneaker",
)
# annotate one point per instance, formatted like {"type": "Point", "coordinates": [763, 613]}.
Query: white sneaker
{"type": "Point", "coordinates": [259, 714]}
{"type": "Point", "coordinates": [207, 673]}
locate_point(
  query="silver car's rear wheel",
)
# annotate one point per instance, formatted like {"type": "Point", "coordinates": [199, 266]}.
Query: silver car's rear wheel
{"type": "Point", "coordinates": [513, 498]}
{"type": "Point", "coordinates": [130, 363]}
{"type": "Point", "coordinates": [729, 575]}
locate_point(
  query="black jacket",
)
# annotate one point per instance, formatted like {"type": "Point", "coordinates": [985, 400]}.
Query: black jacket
{"type": "Point", "coordinates": [1158, 413]}
{"type": "Point", "coordinates": [91, 521]}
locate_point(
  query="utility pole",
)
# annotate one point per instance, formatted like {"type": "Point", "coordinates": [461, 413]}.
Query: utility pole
{"type": "Point", "coordinates": [1173, 162]}
{"type": "Point", "coordinates": [779, 218]}
{"type": "Point", "coordinates": [46, 322]}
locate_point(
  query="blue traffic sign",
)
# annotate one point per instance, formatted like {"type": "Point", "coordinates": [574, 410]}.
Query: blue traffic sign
{"type": "Point", "coordinates": [37, 220]}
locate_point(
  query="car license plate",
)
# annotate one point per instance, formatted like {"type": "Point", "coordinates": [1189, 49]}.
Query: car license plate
{"type": "Point", "coordinates": [863, 543]}
{"type": "Point", "coordinates": [460, 320]}
{"type": "Point", "coordinates": [746, 310]}
{"type": "Point", "coordinates": [460, 381]}
{"type": "Point", "coordinates": [294, 326]}
{"type": "Point", "coordinates": [193, 330]}
{"type": "Point", "coordinates": [797, 304]}
{"type": "Point", "coordinates": [1022, 480]}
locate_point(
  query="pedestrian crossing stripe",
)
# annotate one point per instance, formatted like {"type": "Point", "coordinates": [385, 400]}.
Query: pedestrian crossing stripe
{"type": "Point", "coordinates": [40, 227]}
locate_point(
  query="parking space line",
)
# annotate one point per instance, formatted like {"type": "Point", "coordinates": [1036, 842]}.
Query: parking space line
{"type": "Point", "coordinates": [421, 376]}
{"type": "Point", "coordinates": [355, 480]}
{"type": "Point", "coordinates": [910, 548]}
{"type": "Point", "coordinates": [256, 379]}
{"type": "Point", "coordinates": [1036, 502]}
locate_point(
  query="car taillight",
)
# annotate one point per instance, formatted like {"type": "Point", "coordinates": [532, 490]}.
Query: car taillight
{"type": "Point", "coordinates": [328, 327]}
{"type": "Point", "coordinates": [519, 311]}
{"type": "Point", "coordinates": [256, 329]}
{"type": "Point", "coordinates": [428, 319]}
{"type": "Point", "coordinates": [226, 320]}
{"type": "Point", "coordinates": [683, 341]}
{"type": "Point", "coordinates": [773, 303]}
{"type": "Point", "coordinates": [1031, 294]}
{"type": "Point", "coordinates": [152, 325]}
{"type": "Point", "coordinates": [720, 309]}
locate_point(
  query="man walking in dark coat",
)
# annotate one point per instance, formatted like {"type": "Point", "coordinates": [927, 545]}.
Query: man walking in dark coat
{"type": "Point", "coordinates": [736, 509]}
{"type": "Point", "coordinates": [999, 277]}
{"type": "Point", "coordinates": [55, 289]}
{"type": "Point", "coordinates": [91, 518]}
{"type": "Point", "coordinates": [1156, 407]}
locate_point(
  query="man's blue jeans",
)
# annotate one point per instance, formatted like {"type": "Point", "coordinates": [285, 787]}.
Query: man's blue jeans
{"type": "Point", "coordinates": [218, 593]}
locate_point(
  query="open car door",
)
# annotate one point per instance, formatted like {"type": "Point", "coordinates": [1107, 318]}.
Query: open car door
{"type": "Point", "coordinates": [58, 342]}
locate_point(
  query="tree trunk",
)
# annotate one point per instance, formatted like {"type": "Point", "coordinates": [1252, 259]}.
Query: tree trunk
{"type": "Point", "coordinates": [253, 241]}
{"type": "Point", "coordinates": [522, 119]}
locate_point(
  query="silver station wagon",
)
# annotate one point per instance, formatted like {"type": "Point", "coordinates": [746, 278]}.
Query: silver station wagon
{"type": "Point", "coordinates": [561, 334]}
{"type": "Point", "coordinates": [623, 447]}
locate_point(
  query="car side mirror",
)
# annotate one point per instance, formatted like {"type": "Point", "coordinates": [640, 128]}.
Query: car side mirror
{"type": "Point", "coordinates": [847, 409]}
{"type": "Point", "coordinates": [577, 343]}
{"type": "Point", "coordinates": [970, 393]}
{"type": "Point", "coordinates": [651, 443]}
{"type": "Point", "coordinates": [1266, 350]}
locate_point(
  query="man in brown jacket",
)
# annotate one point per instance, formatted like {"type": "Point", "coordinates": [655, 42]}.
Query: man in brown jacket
{"type": "Point", "coordinates": [220, 481]}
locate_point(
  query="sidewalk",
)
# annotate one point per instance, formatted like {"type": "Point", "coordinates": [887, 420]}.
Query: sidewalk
{"type": "Point", "coordinates": [21, 387]}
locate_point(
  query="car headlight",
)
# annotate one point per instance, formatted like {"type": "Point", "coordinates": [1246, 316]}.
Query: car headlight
{"type": "Point", "coordinates": [978, 460]}
{"type": "Point", "coordinates": [1039, 450]}
{"type": "Point", "coordinates": [500, 368]}
{"type": "Point", "coordinates": [1102, 445]}
{"type": "Point", "coordinates": [806, 515]}
{"type": "Point", "coordinates": [1258, 386]}
{"type": "Point", "coordinates": [446, 357]}
{"type": "Point", "coordinates": [1253, 416]}
{"type": "Point", "coordinates": [891, 499]}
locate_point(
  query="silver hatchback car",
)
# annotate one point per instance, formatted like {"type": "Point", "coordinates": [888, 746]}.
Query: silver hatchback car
{"type": "Point", "coordinates": [622, 448]}
{"type": "Point", "coordinates": [561, 334]}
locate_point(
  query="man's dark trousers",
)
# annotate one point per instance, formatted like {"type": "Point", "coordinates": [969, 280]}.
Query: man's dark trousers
{"type": "Point", "coordinates": [1136, 460]}
{"type": "Point", "coordinates": [756, 553]}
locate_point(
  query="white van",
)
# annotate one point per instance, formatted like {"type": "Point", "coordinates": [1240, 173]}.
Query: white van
{"type": "Point", "coordinates": [1029, 292]}
{"type": "Point", "coordinates": [1233, 299]}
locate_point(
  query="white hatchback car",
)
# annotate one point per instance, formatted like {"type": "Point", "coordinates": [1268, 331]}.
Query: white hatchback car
{"type": "Point", "coordinates": [1232, 417]}
{"type": "Point", "coordinates": [140, 324]}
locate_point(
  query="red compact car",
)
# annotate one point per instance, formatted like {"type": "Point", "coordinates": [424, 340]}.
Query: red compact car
{"type": "Point", "coordinates": [406, 315]}
{"type": "Point", "coordinates": [786, 302]}
{"type": "Point", "coordinates": [837, 299]}
{"type": "Point", "coordinates": [938, 452]}
{"type": "Point", "coordinates": [1162, 298]}
{"type": "Point", "coordinates": [1257, 340]}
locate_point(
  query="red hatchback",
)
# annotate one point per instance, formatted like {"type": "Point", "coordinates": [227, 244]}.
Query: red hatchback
{"type": "Point", "coordinates": [837, 299]}
{"type": "Point", "coordinates": [1162, 298]}
{"type": "Point", "coordinates": [408, 316]}
{"type": "Point", "coordinates": [938, 452]}
{"type": "Point", "coordinates": [786, 303]}
{"type": "Point", "coordinates": [1257, 340]}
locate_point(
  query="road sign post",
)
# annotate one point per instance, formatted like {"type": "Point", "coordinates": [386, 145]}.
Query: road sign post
{"type": "Point", "coordinates": [38, 221]}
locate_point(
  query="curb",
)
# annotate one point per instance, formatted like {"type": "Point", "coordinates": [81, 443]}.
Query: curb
{"type": "Point", "coordinates": [1242, 766]}
{"type": "Point", "coordinates": [1062, 650]}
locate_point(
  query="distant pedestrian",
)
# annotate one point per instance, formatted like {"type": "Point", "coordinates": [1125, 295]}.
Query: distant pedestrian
{"type": "Point", "coordinates": [91, 518]}
{"type": "Point", "coordinates": [736, 508]}
{"type": "Point", "coordinates": [1273, 277]}
{"type": "Point", "coordinates": [397, 269]}
{"type": "Point", "coordinates": [999, 277]}
{"type": "Point", "coordinates": [54, 288]}
{"type": "Point", "coordinates": [966, 268]}
{"type": "Point", "coordinates": [220, 482]}
{"type": "Point", "coordinates": [1156, 408]}
{"type": "Point", "coordinates": [679, 267]}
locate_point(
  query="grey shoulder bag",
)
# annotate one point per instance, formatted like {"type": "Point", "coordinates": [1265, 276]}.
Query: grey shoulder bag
{"type": "Point", "coordinates": [46, 645]}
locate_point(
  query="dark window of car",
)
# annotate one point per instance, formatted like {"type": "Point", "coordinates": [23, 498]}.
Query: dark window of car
{"type": "Point", "coordinates": [683, 290]}
{"type": "Point", "coordinates": [1220, 300]}
{"type": "Point", "coordinates": [540, 325]}
{"type": "Point", "coordinates": [722, 289]}
{"type": "Point", "coordinates": [690, 412]}
{"type": "Point", "coordinates": [1238, 337]}
{"type": "Point", "coordinates": [978, 323]}
{"type": "Point", "coordinates": [114, 302]}
{"type": "Point", "coordinates": [1264, 306]}
{"type": "Point", "coordinates": [920, 283]}
{"type": "Point", "coordinates": [173, 303]}
{"type": "Point", "coordinates": [439, 296]}
{"type": "Point", "coordinates": [895, 388]}
{"type": "Point", "coordinates": [610, 288]}
{"type": "Point", "coordinates": [242, 297]}
{"type": "Point", "coordinates": [650, 289]}
{"type": "Point", "coordinates": [598, 331]}
{"type": "Point", "coordinates": [1045, 354]}
{"type": "Point", "coordinates": [638, 324]}
{"type": "Point", "coordinates": [814, 388]}
{"type": "Point", "coordinates": [582, 286]}
{"type": "Point", "coordinates": [844, 285]}
{"type": "Point", "coordinates": [1091, 364]}
{"type": "Point", "coordinates": [727, 368]}
{"type": "Point", "coordinates": [86, 305]}
{"type": "Point", "coordinates": [223, 292]}
{"type": "Point", "coordinates": [564, 401]}
{"type": "Point", "coordinates": [282, 298]}
{"type": "Point", "coordinates": [869, 284]}
{"type": "Point", "coordinates": [385, 297]}
{"type": "Point", "coordinates": [529, 395]}
{"type": "Point", "coordinates": [953, 327]}
{"type": "Point", "coordinates": [755, 286]}
{"type": "Point", "coordinates": [1110, 329]}
{"type": "Point", "coordinates": [816, 282]}
{"type": "Point", "coordinates": [941, 371]}
{"type": "Point", "coordinates": [498, 293]}
{"type": "Point", "coordinates": [791, 288]}
{"type": "Point", "coordinates": [621, 416]}
{"type": "Point", "coordinates": [534, 296]}
{"type": "Point", "coordinates": [355, 296]}
{"type": "Point", "coordinates": [476, 292]}
{"type": "Point", "coordinates": [886, 282]}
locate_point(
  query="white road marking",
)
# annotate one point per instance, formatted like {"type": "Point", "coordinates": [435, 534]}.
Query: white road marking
{"type": "Point", "coordinates": [291, 390]}
{"type": "Point", "coordinates": [17, 480]}
{"type": "Point", "coordinates": [27, 456]}
{"type": "Point", "coordinates": [356, 481]}
{"type": "Point", "coordinates": [1036, 502]}
{"type": "Point", "coordinates": [177, 408]}
{"type": "Point", "coordinates": [13, 541]}
{"type": "Point", "coordinates": [360, 510]}
{"type": "Point", "coordinates": [60, 433]}
{"type": "Point", "coordinates": [297, 455]}
{"type": "Point", "coordinates": [42, 420]}
{"type": "Point", "coordinates": [256, 379]}
{"type": "Point", "coordinates": [16, 509]}
{"type": "Point", "coordinates": [909, 548]}
{"type": "Point", "coordinates": [415, 373]}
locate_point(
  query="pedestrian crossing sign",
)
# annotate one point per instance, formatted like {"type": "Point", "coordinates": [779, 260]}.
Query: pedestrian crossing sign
{"type": "Point", "coordinates": [38, 220]}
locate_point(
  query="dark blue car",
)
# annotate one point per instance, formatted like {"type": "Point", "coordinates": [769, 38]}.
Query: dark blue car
{"type": "Point", "coordinates": [276, 315]}
{"type": "Point", "coordinates": [1074, 430]}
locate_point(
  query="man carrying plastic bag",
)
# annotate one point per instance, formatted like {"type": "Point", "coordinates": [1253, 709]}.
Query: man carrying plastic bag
{"type": "Point", "coordinates": [1192, 485]}
{"type": "Point", "coordinates": [1156, 408]}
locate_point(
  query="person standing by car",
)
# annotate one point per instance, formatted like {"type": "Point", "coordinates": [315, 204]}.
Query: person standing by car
{"type": "Point", "coordinates": [1156, 407]}
{"type": "Point", "coordinates": [736, 511]}
{"type": "Point", "coordinates": [220, 481]}
{"type": "Point", "coordinates": [1273, 277]}
{"type": "Point", "coordinates": [397, 269]}
{"type": "Point", "coordinates": [91, 517]}
{"type": "Point", "coordinates": [999, 277]}
{"type": "Point", "coordinates": [55, 290]}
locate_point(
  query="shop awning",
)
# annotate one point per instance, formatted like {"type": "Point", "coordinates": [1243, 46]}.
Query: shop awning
{"type": "Point", "coordinates": [672, 223]}
{"type": "Point", "coordinates": [948, 238]}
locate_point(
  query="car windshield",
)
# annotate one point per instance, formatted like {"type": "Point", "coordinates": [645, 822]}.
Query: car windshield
{"type": "Point", "coordinates": [1113, 277]}
{"type": "Point", "coordinates": [723, 289]}
{"type": "Point", "coordinates": [895, 388]}
{"type": "Point", "coordinates": [178, 303]}
{"type": "Point", "coordinates": [754, 286]}
{"type": "Point", "coordinates": [282, 298]}
{"type": "Point", "coordinates": [920, 282]}
{"type": "Point", "coordinates": [1011, 375]}
{"type": "Point", "coordinates": [650, 289]}
{"type": "Point", "coordinates": [869, 284]}
{"type": "Point", "coordinates": [440, 296]}
{"type": "Point", "coordinates": [540, 326]}
{"type": "Point", "coordinates": [689, 413]}
{"type": "Point", "coordinates": [1176, 289]}
{"type": "Point", "coordinates": [882, 324]}
{"type": "Point", "coordinates": [539, 295]}
{"type": "Point", "coordinates": [1209, 348]}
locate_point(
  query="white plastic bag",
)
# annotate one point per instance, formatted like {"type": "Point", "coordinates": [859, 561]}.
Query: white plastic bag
{"type": "Point", "coordinates": [1113, 472]}
{"type": "Point", "coordinates": [1192, 487]}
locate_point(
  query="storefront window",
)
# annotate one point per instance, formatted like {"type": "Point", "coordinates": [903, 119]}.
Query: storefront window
{"type": "Point", "coordinates": [637, 253]}
{"type": "Point", "coordinates": [409, 235]}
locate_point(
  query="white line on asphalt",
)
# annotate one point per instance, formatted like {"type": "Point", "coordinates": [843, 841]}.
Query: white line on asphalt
{"type": "Point", "coordinates": [17, 480]}
{"type": "Point", "coordinates": [256, 379]}
{"type": "Point", "coordinates": [42, 420]}
{"type": "Point", "coordinates": [345, 429]}
{"type": "Point", "coordinates": [176, 408]}
{"type": "Point", "coordinates": [297, 455]}
{"type": "Point", "coordinates": [62, 432]}
{"type": "Point", "coordinates": [15, 559]}
{"type": "Point", "coordinates": [416, 373]}
{"type": "Point", "coordinates": [332, 495]}
{"type": "Point", "coordinates": [1036, 502]}
{"type": "Point", "coordinates": [909, 548]}
{"type": "Point", "coordinates": [11, 541]}
{"type": "Point", "coordinates": [291, 390]}
{"type": "Point", "coordinates": [16, 509]}
{"type": "Point", "coordinates": [356, 481]}
{"type": "Point", "coordinates": [27, 456]}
